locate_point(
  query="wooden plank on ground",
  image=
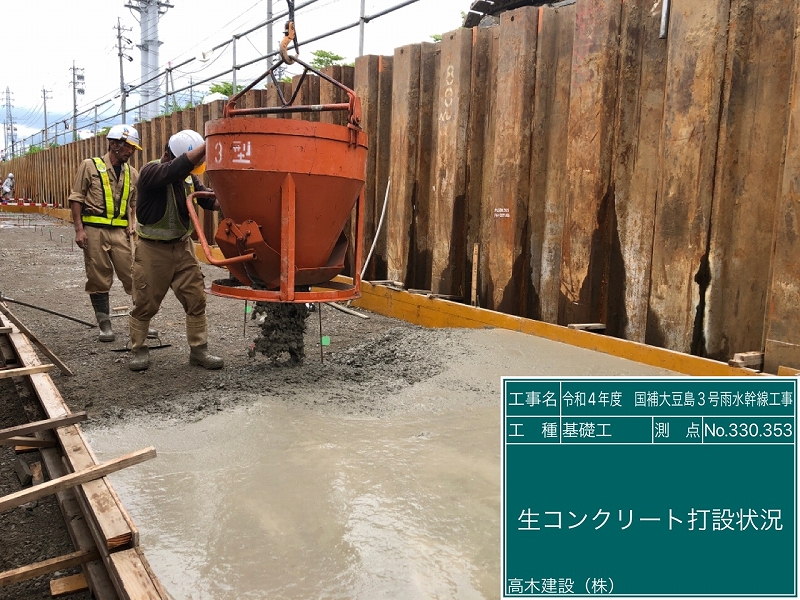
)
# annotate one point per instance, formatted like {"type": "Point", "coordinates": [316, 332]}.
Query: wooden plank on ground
{"type": "Point", "coordinates": [546, 211]}
{"type": "Point", "coordinates": [752, 129]}
{"type": "Point", "coordinates": [44, 567]}
{"type": "Point", "coordinates": [788, 372]}
{"type": "Point", "coordinates": [78, 529]}
{"type": "Point", "coordinates": [680, 272]}
{"type": "Point", "coordinates": [404, 143]}
{"type": "Point", "coordinates": [73, 479]}
{"type": "Point", "coordinates": [66, 586]}
{"type": "Point", "coordinates": [448, 229]}
{"type": "Point", "coordinates": [26, 442]}
{"type": "Point", "coordinates": [110, 523]}
{"type": "Point", "coordinates": [22, 371]}
{"type": "Point", "coordinates": [640, 111]}
{"type": "Point", "coordinates": [586, 251]}
{"type": "Point", "coordinates": [508, 242]}
{"type": "Point", "coordinates": [46, 424]}
{"type": "Point", "coordinates": [132, 575]}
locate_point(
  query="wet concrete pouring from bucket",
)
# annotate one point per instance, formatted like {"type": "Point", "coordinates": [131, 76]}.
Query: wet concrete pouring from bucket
{"type": "Point", "coordinates": [282, 328]}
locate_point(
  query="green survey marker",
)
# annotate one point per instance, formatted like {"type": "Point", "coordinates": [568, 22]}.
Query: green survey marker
{"type": "Point", "coordinates": [326, 340]}
{"type": "Point", "coordinates": [649, 486]}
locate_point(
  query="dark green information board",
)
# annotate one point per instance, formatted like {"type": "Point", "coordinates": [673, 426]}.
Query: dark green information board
{"type": "Point", "coordinates": [649, 487]}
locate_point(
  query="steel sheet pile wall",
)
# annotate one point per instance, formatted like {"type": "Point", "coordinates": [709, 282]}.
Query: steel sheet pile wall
{"type": "Point", "coordinates": [602, 173]}
{"type": "Point", "coordinates": [605, 174]}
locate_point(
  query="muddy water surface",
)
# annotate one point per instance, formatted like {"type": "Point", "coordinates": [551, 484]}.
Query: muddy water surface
{"type": "Point", "coordinates": [272, 500]}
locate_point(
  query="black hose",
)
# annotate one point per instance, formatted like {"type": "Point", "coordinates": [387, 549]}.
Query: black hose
{"type": "Point", "coordinates": [52, 312]}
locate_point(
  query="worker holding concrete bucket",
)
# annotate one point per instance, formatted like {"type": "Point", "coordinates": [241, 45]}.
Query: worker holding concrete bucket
{"type": "Point", "coordinates": [164, 257]}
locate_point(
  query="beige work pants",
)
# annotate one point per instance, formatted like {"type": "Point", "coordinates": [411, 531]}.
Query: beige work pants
{"type": "Point", "coordinates": [157, 267]}
{"type": "Point", "coordinates": [107, 251]}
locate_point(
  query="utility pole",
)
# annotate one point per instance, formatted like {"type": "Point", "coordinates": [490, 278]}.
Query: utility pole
{"type": "Point", "coordinates": [78, 82]}
{"type": "Point", "coordinates": [11, 138]}
{"type": "Point", "coordinates": [120, 51]}
{"type": "Point", "coordinates": [150, 11]}
{"type": "Point", "coordinates": [44, 100]}
{"type": "Point", "coordinates": [269, 33]}
{"type": "Point", "coordinates": [361, 28]}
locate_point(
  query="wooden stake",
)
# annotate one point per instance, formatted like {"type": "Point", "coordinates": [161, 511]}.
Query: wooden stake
{"type": "Point", "coordinates": [77, 478]}
{"type": "Point", "coordinates": [44, 425]}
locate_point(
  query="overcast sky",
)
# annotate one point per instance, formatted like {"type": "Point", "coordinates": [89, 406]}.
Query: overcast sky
{"type": "Point", "coordinates": [44, 37]}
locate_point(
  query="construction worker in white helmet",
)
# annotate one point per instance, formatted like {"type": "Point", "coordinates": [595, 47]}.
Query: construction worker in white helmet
{"type": "Point", "coordinates": [164, 257]}
{"type": "Point", "coordinates": [8, 186]}
{"type": "Point", "coordinates": [102, 202]}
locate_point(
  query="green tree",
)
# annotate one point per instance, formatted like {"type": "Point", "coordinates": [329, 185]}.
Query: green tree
{"type": "Point", "coordinates": [437, 37]}
{"type": "Point", "coordinates": [323, 58]}
{"type": "Point", "coordinates": [33, 150]}
{"type": "Point", "coordinates": [225, 88]}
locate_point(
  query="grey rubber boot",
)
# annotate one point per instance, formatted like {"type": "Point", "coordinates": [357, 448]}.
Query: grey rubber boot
{"type": "Point", "coordinates": [100, 303]}
{"type": "Point", "coordinates": [140, 353]}
{"type": "Point", "coordinates": [197, 336]}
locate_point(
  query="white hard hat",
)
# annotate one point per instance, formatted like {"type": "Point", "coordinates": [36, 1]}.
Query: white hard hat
{"type": "Point", "coordinates": [186, 140]}
{"type": "Point", "coordinates": [11, 175]}
{"type": "Point", "coordinates": [126, 133]}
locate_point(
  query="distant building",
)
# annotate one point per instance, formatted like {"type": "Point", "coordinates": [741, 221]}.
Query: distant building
{"type": "Point", "coordinates": [484, 12]}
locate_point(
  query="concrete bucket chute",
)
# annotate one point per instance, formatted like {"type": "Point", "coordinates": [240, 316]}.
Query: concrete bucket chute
{"type": "Point", "coordinates": [286, 189]}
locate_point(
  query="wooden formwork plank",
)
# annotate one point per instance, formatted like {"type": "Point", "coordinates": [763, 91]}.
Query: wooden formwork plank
{"type": "Point", "coordinates": [44, 567]}
{"type": "Point", "coordinates": [78, 529]}
{"type": "Point", "coordinates": [73, 479]}
{"type": "Point", "coordinates": [448, 206]}
{"type": "Point", "coordinates": [695, 67]}
{"type": "Point", "coordinates": [483, 86]}
{"type": "Point", "coordinates": [585, 247]}
{"type": "Point", "coordinates": [508, 226]}
{"type": "Point", "coordinates": [640, 112]}
{"type": "Point", "coordinates": [422, 244]}
{"type": "Point", "coordinates": [752, 128]}
{"type": "Point", "coordinates": [782, 339]}
{"type": "Point", "coordinates": [131, 576]}
{"type": "Point", "coordinates": [366, 88]}
{"type": "Point", "coordinates": [112, 524]}
{"type": "Point", "coordinates": [65, 586]}
{"type": "Point", "coordinates": [404, 143]}
{"type": "Point", "coordinates": [546, 212]}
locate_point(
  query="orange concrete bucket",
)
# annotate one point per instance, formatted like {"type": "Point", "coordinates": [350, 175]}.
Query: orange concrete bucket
{"type": "Point", "coordinates": [286, 189]}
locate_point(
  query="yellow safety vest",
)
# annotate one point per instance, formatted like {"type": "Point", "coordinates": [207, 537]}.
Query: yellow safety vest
{"type": "Point", "coordinates": [109, 219]}
{"type": "Point", "coordinates": [170, 226]}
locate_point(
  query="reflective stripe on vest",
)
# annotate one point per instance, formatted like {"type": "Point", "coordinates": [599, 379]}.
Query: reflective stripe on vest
{"type": "Point", "coordinates": [170, 226]}
{"type": "Point", "coordinates": [109, 218]}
